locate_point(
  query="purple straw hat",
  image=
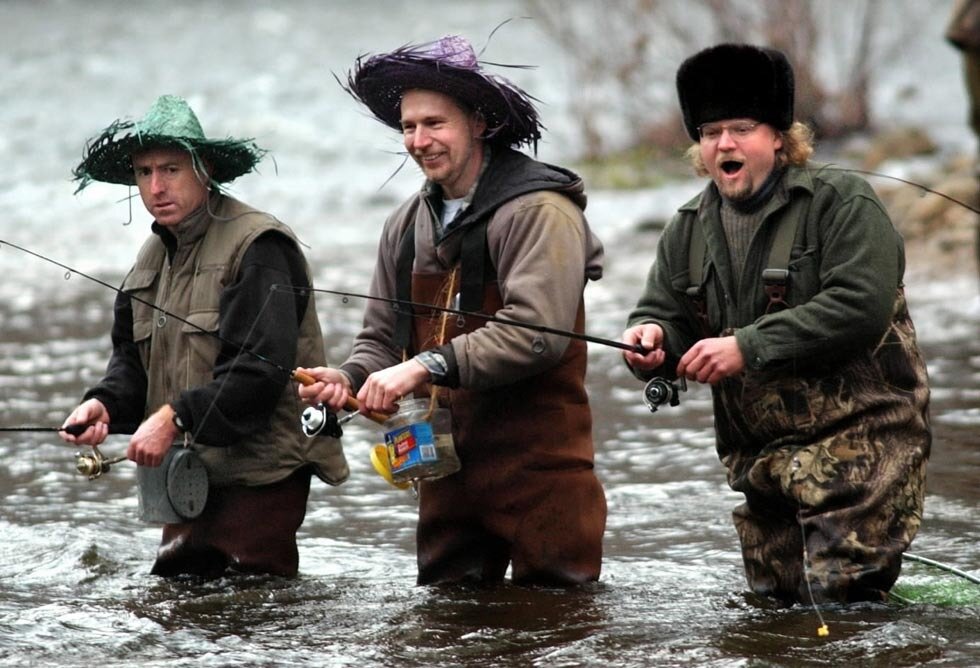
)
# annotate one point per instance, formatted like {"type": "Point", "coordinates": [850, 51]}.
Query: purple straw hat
{"type": "Point", "coordinates": [448, 66]}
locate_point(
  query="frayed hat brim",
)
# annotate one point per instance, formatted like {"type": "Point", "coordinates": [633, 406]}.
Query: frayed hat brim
{"type": "Point", "coordinates": [380, 81]}
{"type": "Point", "coordinates": [170, 123]}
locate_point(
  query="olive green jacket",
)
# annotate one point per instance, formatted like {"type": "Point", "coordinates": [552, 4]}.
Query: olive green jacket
{"type": "Point", "coordinates": [846, 264]}
{"type": "Point", "coordinates": [838, 367]}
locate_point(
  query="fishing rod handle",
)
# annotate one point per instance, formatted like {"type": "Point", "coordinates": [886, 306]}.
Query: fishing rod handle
{"type": "Point", "coordinates": [75, 429]}
{"type": "Point", "coordinates": [351, 404]}
{"type": "Point", "coordinates": [303, 378]}
{"type": "Point", "coordinates": [78, 428]}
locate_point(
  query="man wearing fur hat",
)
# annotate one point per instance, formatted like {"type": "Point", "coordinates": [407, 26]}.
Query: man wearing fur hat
{"type": "Point", "coordinates": [496, 232]}
{"type": "Point", "coordinates": [201, 349]}
{"type": "Point", "coordinates": [780, 285]}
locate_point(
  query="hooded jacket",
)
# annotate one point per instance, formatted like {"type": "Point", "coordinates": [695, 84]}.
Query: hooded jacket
{"type": "Point", "coordinates": [540, 250]}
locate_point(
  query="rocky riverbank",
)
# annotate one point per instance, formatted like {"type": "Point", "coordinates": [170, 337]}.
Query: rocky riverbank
{"type": "Point", "coordinates": [941, 225]}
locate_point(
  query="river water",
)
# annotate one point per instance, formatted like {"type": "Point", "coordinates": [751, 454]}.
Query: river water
{"type": "Point", "coordinates": [74, 588]}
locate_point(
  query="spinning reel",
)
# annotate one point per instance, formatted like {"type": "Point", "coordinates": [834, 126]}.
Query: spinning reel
{"type": "Point", "coordinates": [320, 419]}
{"type": "Point", "coordinates": [94, 464]}
{"type": "Point", "coordinates": [660, 391]}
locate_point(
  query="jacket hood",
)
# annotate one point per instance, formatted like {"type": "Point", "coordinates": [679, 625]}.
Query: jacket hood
{"type": "Point", "coordinates": [511, 173]}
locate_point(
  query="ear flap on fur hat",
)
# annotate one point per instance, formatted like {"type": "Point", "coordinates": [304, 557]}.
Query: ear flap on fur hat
{"type": "Point", "coordinates": [736, 81]}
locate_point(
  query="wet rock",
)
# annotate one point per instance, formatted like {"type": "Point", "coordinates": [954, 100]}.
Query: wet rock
{"type": "Point", "coordinates": [897, 143]}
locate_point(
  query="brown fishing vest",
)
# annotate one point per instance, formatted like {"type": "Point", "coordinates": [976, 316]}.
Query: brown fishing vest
{"type": "Point", "coordinates": [178, 355]}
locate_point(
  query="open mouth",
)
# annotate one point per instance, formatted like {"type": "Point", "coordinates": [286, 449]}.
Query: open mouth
{"type": "Point", "coordinates": [731, 166]}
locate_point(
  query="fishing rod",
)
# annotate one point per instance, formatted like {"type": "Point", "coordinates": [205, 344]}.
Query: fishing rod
{"type": "Point", "coordinates": [921, 186]}
{"type": "Point", "coordinates": [315, 419]}
{"type": "Point", "coordinates": [90, 464]}
{"type": "Point", "coordinates": [71, 270]}
{"type": "Point", "coordinates": [73, 429]}
{"type": "Point", "coordinates": [544, 329]}
{"type": "Point", "coordinates": [946, 567]}
{"type": "Point", "coordinates": [95, 464]}
{"type": "Point", "coordinates": [657, 392]}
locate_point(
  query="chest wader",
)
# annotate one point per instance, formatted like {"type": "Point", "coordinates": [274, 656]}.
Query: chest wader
{"type": "Point", "coordinates": [526, 493]}
{"type": "Point", "coordinates": [830, 459]}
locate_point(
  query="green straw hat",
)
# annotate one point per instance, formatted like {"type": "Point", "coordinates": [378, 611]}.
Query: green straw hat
{"type": "Point", "coordinates": [170, 123]}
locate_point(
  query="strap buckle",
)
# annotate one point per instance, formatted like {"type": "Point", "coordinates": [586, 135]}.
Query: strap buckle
{"type": "Point", "coordinates": [775, 283]}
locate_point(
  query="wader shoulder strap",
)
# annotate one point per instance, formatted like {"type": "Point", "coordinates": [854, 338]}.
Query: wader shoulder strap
{"type": "Point", "coordinates": [695, 256]}
{"type": "Point", "coordinates": [775, 277]}
{"type": "Point", "coordinates": [695, 269]}
{"type": "Point", "coordinates": [473, 256]}
{"type": "Point", "coordinates": [403, 288]}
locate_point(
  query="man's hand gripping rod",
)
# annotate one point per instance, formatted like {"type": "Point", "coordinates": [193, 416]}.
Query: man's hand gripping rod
{"type": "Point", "coordinates": [318, 418]}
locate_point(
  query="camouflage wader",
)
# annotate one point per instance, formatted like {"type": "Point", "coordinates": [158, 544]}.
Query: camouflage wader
{"type": "Point", "coordinates": [832, 454]}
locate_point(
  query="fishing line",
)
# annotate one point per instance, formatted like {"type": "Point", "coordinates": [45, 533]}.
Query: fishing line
{"type": "Point", "coordinates": [822, 630]}
{"type": "Point", "coordinates": [544, 329]}
{"type": "Point", "coordinates": [906, 182]}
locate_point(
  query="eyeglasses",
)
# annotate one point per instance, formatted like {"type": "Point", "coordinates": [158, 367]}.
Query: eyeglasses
{"type": "Point", "coordinates": [739, 130]}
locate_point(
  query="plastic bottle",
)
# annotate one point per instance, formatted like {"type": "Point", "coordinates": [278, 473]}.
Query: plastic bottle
{"type": "Point", "coordinates": [420, 445]}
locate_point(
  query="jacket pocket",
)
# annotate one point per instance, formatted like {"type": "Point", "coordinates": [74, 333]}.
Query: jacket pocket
{"type": "Point", "coordinates": [200, 331]}
{"type": "Point", "coordinates": [140, 285]}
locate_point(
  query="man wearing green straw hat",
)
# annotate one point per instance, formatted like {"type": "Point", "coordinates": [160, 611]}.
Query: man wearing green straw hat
{"type": "Point", "coordinates": [212, 378]}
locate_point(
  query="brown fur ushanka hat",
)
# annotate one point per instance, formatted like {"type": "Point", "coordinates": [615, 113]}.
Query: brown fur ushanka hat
{"type": "Point", "coordinates": [736, 81]}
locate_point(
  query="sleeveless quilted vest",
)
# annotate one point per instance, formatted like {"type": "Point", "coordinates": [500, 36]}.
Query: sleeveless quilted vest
{"type": "Point", "coordinates": [178, 355]}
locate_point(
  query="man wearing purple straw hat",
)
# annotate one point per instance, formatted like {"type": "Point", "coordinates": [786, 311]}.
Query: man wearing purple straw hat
{"type": "Point", "coordinates": [781, 286]}
{"type": "Point", "coordinates": [497, 232]}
